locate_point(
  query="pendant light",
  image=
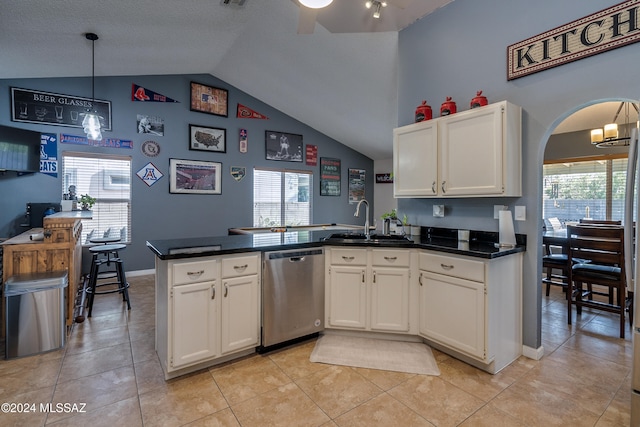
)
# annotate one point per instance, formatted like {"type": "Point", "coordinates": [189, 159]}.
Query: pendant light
{"type": "Point", "coordinates": [91, 121]}
{"type": "Point", "coordinates": [609, 136]}
{"type": "Point", "coordinates": [315, 4]}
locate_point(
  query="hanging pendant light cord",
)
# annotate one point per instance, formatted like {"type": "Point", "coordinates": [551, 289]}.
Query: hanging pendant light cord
{"type": "Point", "coordinates": [93, 37]}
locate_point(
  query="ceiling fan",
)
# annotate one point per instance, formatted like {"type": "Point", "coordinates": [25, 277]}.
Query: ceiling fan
{"type": "Point", "coordinates": [309, 10]}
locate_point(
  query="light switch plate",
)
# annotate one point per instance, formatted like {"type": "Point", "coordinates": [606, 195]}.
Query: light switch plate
{"type": "Point", "coordinates": [438, 211]}
{"type": "Point", "coordinates": [520, 213]}
{"type": "Point", "coordinates": [498, 208]}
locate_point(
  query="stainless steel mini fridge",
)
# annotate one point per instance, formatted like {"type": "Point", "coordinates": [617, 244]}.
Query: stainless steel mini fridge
{"type": "Point", "coordinates": [35, 313]}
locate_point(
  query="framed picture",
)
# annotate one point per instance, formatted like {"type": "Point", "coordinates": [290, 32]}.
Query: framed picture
{"type": "Point", "coordinates": [205, 138]}
{"type": "Point", "coordinates": [356, 185]}
{"type": "Point", "coordinates": [283, 146]}
{"type": "Point", "coordinates": [195, 177]}
{"type": "Point", "coordinates": [329, 177]}
{"type": "Point", "coordinates": [209, 99]}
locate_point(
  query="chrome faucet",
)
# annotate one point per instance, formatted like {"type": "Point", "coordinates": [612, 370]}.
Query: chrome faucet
{"type": "Point", "coordinates": [367, 232]}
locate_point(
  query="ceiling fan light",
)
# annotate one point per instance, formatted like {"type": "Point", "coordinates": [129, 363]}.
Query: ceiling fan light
{"type": "Point", "coordinates": [315, 4]}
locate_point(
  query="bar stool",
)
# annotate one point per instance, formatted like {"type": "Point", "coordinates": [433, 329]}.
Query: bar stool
{"type": "Point", "coordinates": [102, 257]}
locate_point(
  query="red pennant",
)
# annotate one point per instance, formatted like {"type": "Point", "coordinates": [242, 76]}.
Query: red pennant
{"type": "Point", "coordinates": [248, 113]}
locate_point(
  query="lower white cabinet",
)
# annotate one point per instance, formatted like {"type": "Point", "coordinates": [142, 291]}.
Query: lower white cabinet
{"type": "Point", "coordinates": [472, 307]}
{"type": "Point", "coordinates": [207, 310]}
{"type": "Point", "coordinates": [368, 289]}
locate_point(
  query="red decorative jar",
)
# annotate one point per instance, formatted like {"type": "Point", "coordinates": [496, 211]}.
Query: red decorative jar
{"type": "Point", "coordinates": [423, 112]}
{"type": "Point", "coordinates": [448, 107]}
{"type": "Point", "coordinates": [479, 100]}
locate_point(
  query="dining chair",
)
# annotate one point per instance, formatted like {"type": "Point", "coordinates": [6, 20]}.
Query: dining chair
{"type": "Point", "coordinates": [603, 247]}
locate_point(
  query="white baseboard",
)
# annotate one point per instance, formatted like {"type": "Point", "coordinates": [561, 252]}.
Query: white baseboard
{"type": "Point", "coordinates": [533, 353]}
{"type": "Point", "coordinates": [140, 272]}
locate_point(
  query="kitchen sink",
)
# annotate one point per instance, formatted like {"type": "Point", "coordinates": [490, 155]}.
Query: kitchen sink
{"type": "Point", "coordinates": [361, 238]}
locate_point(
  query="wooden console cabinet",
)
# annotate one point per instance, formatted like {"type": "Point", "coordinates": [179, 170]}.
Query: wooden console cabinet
{"type": "Point", "coordinates": [60, 250]}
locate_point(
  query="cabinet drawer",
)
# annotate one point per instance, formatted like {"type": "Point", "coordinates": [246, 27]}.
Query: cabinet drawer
{"type": "Point", "coordinates": [196, 271]}
{"type": "Point", "coordinates": [452, 266]}
{"type": "Point", "coordinates": [348, 256]}
{"type": "Point", "coordinates": [240, 266]}
{"type": "Point", "coordinates": [390, 258]}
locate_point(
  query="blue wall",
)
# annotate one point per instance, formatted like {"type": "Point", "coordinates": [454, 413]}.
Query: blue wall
{"type": "Point", "coordinates": [157, 214]}
{"type": "Point", "coordinates": [461, 48]}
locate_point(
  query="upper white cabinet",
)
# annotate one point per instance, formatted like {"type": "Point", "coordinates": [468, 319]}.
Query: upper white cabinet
{"type": "Point", "coordinates": [474, 153]}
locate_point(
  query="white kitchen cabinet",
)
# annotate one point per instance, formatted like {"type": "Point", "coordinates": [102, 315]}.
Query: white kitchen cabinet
{"type": "Point", "coordinates": [207, 310]}
{"type": "Point", "coordinates": [473, 153]}
{"type": "Point", "coordinates": [373, 294]}
{"type": "Point", "coordinates": [472, 307]}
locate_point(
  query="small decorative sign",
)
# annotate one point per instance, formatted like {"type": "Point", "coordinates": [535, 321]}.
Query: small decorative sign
{"type": "Point", "coordinates": [238, 172]}
{"type": "Point", "coordinates": [49, 154]}
{"type": "Point", "coordinates": [47, 108]}
{"type": "Point", "coordinates": [140, 94]}
{"type": "Point", "coordinates": [244, 112]}
{"type": "Point", "coordinates": [356, 185]}
{"type": "Point", "coordinates": [244, 142]}
{"type": "Point", "coordinates": [384, 178]}
{"type": "Point", "coordinates": [150, 174]}
{"type": "Point", "coordinates": [329, 177]}
{"type": "Point", "coordinates": [312, 155]}
{"type": "Point", "coordinates": [65, 138]}
{"type": "Point", "coordinates": [608, 29]}
{"type": "Point", "coordinates": [150, 148]}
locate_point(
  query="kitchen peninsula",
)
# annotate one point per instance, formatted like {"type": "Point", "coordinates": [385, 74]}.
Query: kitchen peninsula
{"type": "Point", "coordinates": [463, 298]}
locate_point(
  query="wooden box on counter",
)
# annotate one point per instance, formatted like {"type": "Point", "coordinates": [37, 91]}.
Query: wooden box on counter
{"type": "Point", "coordinates": [61, 250]}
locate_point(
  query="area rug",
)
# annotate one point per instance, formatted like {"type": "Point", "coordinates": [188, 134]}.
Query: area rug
{"type": "Point", "coordinates": [398, 356]}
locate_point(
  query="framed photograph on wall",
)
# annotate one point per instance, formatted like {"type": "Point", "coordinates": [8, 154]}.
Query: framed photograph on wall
{"type": "Point", "coordinates": [329, 177]}
{"type": "Point", "coordinates": [195, 177]}
{"type": "Point", "coordinates": [356, 185]}
{"type": "Point", "coordinates": [205, 138]}
{"type": "Point", "coordinates": [209, 99]}
{"type": "Point", "coordinates": [283, 146]}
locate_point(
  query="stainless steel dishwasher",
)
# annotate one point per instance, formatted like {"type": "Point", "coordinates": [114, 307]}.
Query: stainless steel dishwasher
{"type": "Point", "coordinates": [292, 295]}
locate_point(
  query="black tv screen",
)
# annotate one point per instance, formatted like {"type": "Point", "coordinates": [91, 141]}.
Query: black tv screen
{"type": "Point", "coordinates": [19, 150]}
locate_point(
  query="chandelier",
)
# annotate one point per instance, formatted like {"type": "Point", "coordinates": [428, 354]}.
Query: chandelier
{"type": "Point", "coordinates": [609, 136]}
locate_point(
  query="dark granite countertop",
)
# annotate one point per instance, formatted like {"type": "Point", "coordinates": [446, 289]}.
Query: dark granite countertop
{"type": "Point", "coordinates": [481, 244]}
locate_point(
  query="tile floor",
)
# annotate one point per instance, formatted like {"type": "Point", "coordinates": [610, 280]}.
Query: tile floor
{"type": "Point", "coordinates": [110, 365]}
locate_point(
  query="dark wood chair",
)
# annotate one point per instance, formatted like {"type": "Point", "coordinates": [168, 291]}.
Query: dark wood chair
{"type": "Point", "coordinates": [556, 267]}
{"type": "Point", "coordinates": [603, 247]}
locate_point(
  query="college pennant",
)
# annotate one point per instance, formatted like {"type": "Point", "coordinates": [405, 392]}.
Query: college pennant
{"type": "Point", "coordinates": [247, 113]}
{"type": "Point", "coordinates": [138, 93]}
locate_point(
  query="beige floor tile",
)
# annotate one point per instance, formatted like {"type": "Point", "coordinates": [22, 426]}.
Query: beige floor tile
{"type": "Point", "coordinates": [618, 412]}
{"type": "Point", "coordinates": [474, 381]}
{"type": "Point", "coordinates": [33, 416]}
{"type": "Point", "coordinates": [96, 390]}
{"type": "Point", "coordinates": [488, 416]}
{"type": "Point", "coordinates": [437, 400]}
{"type": "Point", "coordinates": [222, 418]}
{"type": "Point", "coordinates": [182, 401]}
{"type": "Point", "coordinates": [284, 406]}
{"type": "Point", "coordinates": [338, 389]}
{"type": "Point", "coordinates": [29, 373]}
{"type": "Point", "coordinates": [149, 375]}
{"type": "Point", "coordinates": [143, 349]}
{"type": "Point", "coordinates": [294, 361]}
{"type": "Point", "coordinates": [382, 410]}
{"type": "Point", "coordinates": [122, 413]}
{"type": "Point", "coordinates": [86, 340]}
{"type": "Point", "coordinates": [95, 361]}
{"type": "Point", "coordinates": [386, 380]}
{"type": "Point", "coordinates": [248, 378]}
{"type": "Point", "coordinates": [142, 330]}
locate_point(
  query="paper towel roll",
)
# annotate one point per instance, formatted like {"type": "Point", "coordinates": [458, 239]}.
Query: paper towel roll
{"type": "Point", "coordinates": [507, 236]}
{"type": "Point", "coordinates": [36, 236]}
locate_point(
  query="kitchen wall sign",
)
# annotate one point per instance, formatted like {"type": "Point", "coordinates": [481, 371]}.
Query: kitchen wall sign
{"type": "Point", "coordinates": [608, 29]}
{"type": "Point", "coordinates": [329, 177]}
{"type": "Point", "coordinates": [283, 146]}
{"type": "Point", "coordinates": [150, 148]}
{"type": "Point", "coordinates": [66, 138]}
{"type": "Point", "coordinates": [384, 178]}
{"type": "Point", "coordinates": [244, 141]}
{"type": "Point", "coordinates": [312, 155]}
{"type": "Point", "coordinates": [244, 112]}
{"type": "Point", "coordinates": [140, 94]}
{"type": "Point", "coordinates": [47, 108]}
{"type": "Point", "coordinates": [205, 138]}
{"type": "Point", "coordinates": [209, 99]}
{"type": "Point", "coordinates": [356, 185]}
{"type": "Point", "coordinates": [49, 154]}
{"type": "Point", "coordinates": [149, 174]}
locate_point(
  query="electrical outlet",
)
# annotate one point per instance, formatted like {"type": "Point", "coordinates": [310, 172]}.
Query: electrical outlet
{"type": "Point", "coordinates": [498, 208]}
{"type": "Point", "coordinates": [438, 211]}
{"type": "Point", "coordinates": [520, 213]}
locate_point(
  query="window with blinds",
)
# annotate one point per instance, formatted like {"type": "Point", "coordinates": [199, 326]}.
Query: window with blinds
{"type": "Point", "coordinates": [281, 198]}
{"type": "Point", "coordinates": [107, 178]}
{"type": "Point", "coordinates": [585, 189]}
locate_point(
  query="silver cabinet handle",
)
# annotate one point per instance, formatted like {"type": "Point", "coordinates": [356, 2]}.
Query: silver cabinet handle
{"type": "Point", "coordinates": [226, 290]}
{"type": "Point", "coordinates": [347, 258]}
{"type": "Point", "coordinates": [240, 268]}
{"type": "Point", "coordinates": [446, 266]}
{"type": "Point", "coordinates": [213, 291]}
{"type": "Point", "coordinates": [391, 258]}
{"type": "Point", "coordinates": [443, 183]}
{"type": "Point", "coordinates": [195, 274]}
{"type": "Point", "coordinates": [433, 187]}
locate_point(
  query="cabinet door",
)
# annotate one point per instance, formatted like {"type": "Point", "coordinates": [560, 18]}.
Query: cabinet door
{"type": "Point", "coordinates": [390, 299]}
{"type": "Point", "coordinates": [415, 160]}
{"type": "Point", "coordinates": [194, 323]}
{"type": "Point", "coordinates": [240, 325]}
{"type": "Point", "coordinates": [348, 297]}
{"type": "Point", "coordinates": [452, 312]}
{"type": "Point", "coordinates": [471, 152]}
